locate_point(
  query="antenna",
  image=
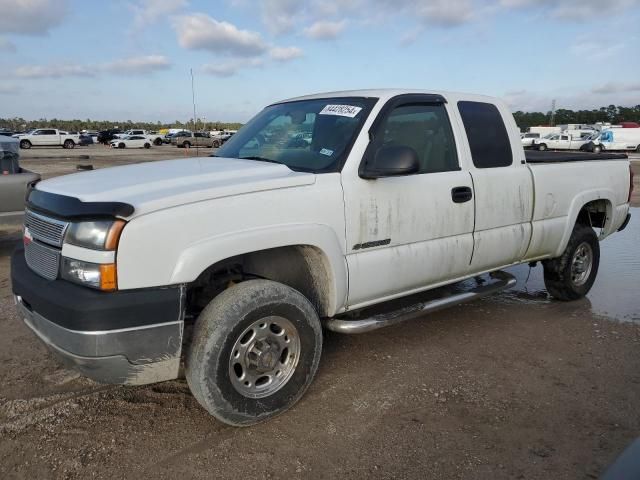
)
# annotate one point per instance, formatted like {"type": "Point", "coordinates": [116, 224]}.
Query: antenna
{"type": "Point", "coordinates": [553, 112]}
{"type": "Point", "coordinates": [193, 99]}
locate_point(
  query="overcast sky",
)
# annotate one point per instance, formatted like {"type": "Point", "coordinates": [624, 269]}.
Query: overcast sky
{"type": "Point", "coordinates": [130, 59]}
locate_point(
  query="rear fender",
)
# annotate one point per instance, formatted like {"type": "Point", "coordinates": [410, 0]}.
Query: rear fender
{"type": "Point", "coordinates": [578, 203]}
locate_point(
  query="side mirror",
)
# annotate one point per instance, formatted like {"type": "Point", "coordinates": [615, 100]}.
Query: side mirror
{"type": "Point", "coordinates": [391, 161]}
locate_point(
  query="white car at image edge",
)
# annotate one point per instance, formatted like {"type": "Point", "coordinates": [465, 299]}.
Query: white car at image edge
{"type": "Point", "coordinates": [131, 141]}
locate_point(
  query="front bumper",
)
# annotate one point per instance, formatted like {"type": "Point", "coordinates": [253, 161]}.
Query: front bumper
{"type": "Point", "coordinates": [127, 337]}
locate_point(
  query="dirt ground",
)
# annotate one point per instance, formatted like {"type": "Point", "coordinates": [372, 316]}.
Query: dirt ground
{"type": "Point", "coordinates": [513, 386]}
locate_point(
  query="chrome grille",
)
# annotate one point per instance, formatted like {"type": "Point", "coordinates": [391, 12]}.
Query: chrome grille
{"type": "Point", "coordinates": [45, 229]}
{"type": "Point", "coordinates": [43, 260]}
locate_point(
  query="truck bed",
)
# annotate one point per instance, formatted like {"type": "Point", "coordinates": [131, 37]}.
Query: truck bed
{"type": "Point", "coordinates": [536, 156]}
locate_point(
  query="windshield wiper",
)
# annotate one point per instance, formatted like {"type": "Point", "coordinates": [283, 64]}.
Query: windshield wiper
{"type": "Point", "coordinates": [261, 159]}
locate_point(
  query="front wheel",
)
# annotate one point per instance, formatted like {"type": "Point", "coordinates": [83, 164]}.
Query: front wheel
{"type": "Point", "coordinates": [542, 147]}
{"type": "Point", "coordinates": [121, 145]}
{"type": "Point", "coordinates": [597, 149]}
{"type": "Point", "coordinates": [256, 348]}
{"type": "Point", "coordinates": [147, 145]}
{"type": "Point", "coordinates": [25, 144]}
{"type": "Point", "coordinates": [157, 142]}
{"type": "Point", "coordinates": [571, 276]}
{"type": "Point", "coordinates": [68, 144]}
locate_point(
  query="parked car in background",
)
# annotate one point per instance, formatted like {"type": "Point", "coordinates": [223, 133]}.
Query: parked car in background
{"type": "Point", "coordinates": [172, 132]}
{"type": "Point", "coordinates": [154, 138]}
{"type": "Point", "coordinates": [220, 139]}
{"type": "Point", "coordinates": [559, 141]}
{"type": "Point", "coordinates": [188, 140]}
{"type": "Point", "coordinates": [527, 138]}
{"type": "Point", "coordinates": [622, 139]}
{"type": "Point", "coordinates": [105, 136]}
{"type": "Point", "coordinates": [131, 141]}
{"type": "Point", "coordinates": [85, 140]}
{"type": "Point", "coordinates": [47, 137]}
{"type": "Point", "coordinates": [13, 180]}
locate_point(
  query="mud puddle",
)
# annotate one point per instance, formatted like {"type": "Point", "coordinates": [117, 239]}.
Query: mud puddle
{"type": "Point", "coordinates": [614, 294]}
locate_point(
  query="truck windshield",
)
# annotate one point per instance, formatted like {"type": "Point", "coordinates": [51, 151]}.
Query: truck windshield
{"type": "Point", "coordinates": [309, 135]}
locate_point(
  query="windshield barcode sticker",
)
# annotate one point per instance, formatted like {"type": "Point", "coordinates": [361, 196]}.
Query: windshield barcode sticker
{"type": "Point", "coordinates": [341, 110]}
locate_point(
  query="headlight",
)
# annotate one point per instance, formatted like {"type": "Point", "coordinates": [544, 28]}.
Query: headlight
{"type": "Point", "coordinates": [97, 275]}
{"type": "Point", "coordinates": [97, 235]}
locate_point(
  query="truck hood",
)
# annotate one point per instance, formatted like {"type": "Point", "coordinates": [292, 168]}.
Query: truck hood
{"type": "Point", "coordinates": [154, 186]}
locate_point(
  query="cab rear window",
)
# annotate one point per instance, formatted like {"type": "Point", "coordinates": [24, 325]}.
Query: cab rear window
{"type": "Point", "coordinates": [487, 134]}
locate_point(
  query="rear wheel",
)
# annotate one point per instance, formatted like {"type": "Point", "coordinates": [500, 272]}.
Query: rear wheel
{"type": "Point", "coordinates": [186, 145]}
{"type": "Point", "coordinates": [26, 144]}
{"type": "Point", "coordinates": [542, 147]}
{"type": "Point", "coordinates": [571, 276]}
{"type": "Point", "coordinates": [216, 144]}
{"type": "Point", "coordinates": [147, 145]}
{"type": "Point", "coordinates": [255, 350]}
{"type": "Point", "coordinates": [638, 149]}
{"type": "Point", "coordinates": [157, 142]}
{"type": "Point", "coordinates": [597, 148]}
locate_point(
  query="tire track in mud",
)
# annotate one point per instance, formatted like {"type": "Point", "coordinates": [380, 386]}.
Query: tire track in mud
{"type": "Point", "coordinates": [20, 414]}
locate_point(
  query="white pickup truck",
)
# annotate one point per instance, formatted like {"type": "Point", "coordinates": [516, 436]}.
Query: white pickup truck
{"type": "Point", "coordinates": [234, 263]}
{"type": "Point", "coordinates": [47, 137]}
{"type": "Point", "coordinates": [560, 141]}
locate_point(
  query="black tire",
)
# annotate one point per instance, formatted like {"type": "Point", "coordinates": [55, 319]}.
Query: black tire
{"type": "Point", "coordinates": [147, 145]}
{"type": "Point", "coordinates": [216, 144]}
{"type": "Point", "coordinates": [559, 272]}
{"type": "Point", "coordinates": [68, 144]}
{"type": "Point", "coordinates": [25, 144]}
{"type": "Point", "coordinates": [597, 148]}
{"type": "Point", "coordinates": [638, 149]}
{"type": "Point", "coordinates": [157, 142]}
{"type": "Point", "coordinates": [542, 147]}
{"type": "Point", "coordinates": [186, 145]}
{"type": "Point", "coordinates": [215, 338]}
{"type": "Point", "coordinates": [121, 145]}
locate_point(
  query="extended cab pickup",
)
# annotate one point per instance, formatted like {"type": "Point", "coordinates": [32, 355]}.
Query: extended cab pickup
{"type": "Point", "coordinates": [235, 262]}
{"type": "Point", "coordinates": [559, 141]}
{"type": "Point", "coordinates": [47, 137]}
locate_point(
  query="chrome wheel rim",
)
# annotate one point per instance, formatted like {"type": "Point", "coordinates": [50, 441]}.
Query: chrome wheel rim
{"type": "Point", "coordinates": [581, 264]}
{"type": "Point", "coordinates": [264, 357]}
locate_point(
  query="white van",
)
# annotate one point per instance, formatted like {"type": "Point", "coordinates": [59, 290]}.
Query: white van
{"type": "Point", "coordinates": [618, 139]}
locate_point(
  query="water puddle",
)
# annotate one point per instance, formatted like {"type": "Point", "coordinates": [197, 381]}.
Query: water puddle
{"type": "Point", "coordinates": [615, 294]}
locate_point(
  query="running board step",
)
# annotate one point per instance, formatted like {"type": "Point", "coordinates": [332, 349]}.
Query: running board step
{"type": "Point", "coordinates": [503, 281]}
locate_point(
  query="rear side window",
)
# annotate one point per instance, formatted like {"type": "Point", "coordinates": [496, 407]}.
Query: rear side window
{"type": "Point", "coordinates": [487, 135]}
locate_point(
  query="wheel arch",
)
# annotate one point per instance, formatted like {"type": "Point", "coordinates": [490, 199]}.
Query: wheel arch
{"type": "Point", "coordinates": [594, 208]}
{"type": "Point", "coordinates": [307, 258]}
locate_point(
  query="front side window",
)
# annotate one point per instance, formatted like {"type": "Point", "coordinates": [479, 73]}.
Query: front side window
{"type": "Point", "coordinates": [426, 129]}
{"type": "Point", "coordinates": [309, 135]}
{"type": "Point", "coordinates": [486, 133]}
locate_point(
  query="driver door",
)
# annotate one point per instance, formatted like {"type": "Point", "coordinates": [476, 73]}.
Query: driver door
{"type": "Point", "coordinates": [407, 233]}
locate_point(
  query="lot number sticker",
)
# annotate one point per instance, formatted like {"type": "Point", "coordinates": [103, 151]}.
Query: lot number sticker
{"type": "Point", "coordinates": [341, 110]}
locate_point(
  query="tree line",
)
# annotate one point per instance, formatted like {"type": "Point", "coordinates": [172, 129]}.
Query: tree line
{"type": "Point", "coordinates": [20, 124]}
{"type": "Point", "coordinates": [612, 114]}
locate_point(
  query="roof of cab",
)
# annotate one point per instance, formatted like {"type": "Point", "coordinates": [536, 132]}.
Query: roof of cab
{"type": "Point", "coordinates": [387, 93]}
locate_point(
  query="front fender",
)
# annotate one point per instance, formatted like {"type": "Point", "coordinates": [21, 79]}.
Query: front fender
{"type": "Point", "coordinates": [199, 256]}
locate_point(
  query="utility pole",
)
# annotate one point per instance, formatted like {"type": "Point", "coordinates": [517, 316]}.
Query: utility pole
{"type": "Point", "coordinates": [553, 113]}
{"type": "Point", "coordinates": [193, 99]}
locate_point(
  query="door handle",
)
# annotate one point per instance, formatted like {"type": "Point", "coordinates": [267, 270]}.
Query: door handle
{"type": "Point", "coordinates": [461, 194]}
